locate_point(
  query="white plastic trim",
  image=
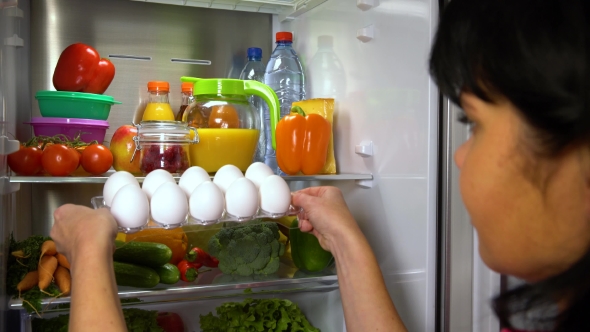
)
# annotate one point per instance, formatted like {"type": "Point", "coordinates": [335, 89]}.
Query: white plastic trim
{"type": "Point", "coordinates": [366, 34]}
{"type": "Point", "coordinates": [364, 149]}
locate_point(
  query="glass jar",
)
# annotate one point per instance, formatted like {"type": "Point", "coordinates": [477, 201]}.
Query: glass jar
{"type": "Point", "coordinates": [228, 125]}
{"type": "Point", "coordinates": [164, 145]}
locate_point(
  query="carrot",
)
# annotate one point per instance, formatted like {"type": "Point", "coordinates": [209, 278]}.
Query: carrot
{"type": "Point", "coordinates": [48, 248]}
{"type": "Point", "coordinates": [63, 280]}
{"type": "Point", "coordinates": [46, 269]}
{"type": "Point", "coordinates": [28, 282]}
{"type": "Point", "coordinates": [63, 261]}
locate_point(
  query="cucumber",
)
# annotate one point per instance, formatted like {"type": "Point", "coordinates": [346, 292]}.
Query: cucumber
{"type": "Point", "coordinates": [136, 276]}
{"type": "Point", "coordinates": [142, 253]}
{"type": "Point", "coordinates": [169, 273]}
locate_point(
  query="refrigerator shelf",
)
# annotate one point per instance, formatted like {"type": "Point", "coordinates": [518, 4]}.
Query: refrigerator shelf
{"type": "Point", "coordinates": [103, 178]}
{"type": "Point", "coordinates": [185, 291]}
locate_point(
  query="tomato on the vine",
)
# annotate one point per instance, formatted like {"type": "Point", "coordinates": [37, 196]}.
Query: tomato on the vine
{"type": "Point", "coordinates": [96, 159]}
{"type": "Point", "coordinates": [60, 160]}
{"type": "Point", "coordinates": [26, 161]}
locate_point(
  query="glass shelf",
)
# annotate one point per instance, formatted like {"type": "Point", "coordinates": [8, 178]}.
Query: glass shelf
{"type": "Point", "coordinates": [209, 286]}
{"type": "Point", "coordinates": [103, 178]}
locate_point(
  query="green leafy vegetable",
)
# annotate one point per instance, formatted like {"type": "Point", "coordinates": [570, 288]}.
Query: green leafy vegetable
{"type": "Point", "coordinates": [257, 316]}
{"type": "Point", "coordinates": [247, 250]}
{"type": "Point", "coordinates": [32, 298]}
{"type": "Point", "coordinates": [137, 320]}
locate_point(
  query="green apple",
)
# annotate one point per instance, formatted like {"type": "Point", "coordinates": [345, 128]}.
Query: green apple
{"type": "Point", "coordinates": [122, 148]}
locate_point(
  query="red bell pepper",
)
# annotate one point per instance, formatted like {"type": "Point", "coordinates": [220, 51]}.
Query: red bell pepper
{"type": "Point", "coordinates": [80, 69]}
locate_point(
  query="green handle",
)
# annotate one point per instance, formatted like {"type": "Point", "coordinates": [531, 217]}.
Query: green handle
{"type": "Point", "coordinates": [270, 97]}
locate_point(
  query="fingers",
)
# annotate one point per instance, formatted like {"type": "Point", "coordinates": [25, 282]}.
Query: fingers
{"type": "Point", "coordinates": [305, 225]}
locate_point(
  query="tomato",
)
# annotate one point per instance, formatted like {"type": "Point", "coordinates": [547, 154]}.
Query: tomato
{"type": "Point", "coordinates": [96, 159]}
{"type": "Point", "coordinates": [26, 161]}
{"type": "Point", "coordinates": [224, 116]}
{"type": "Point", "coordinates": [60, 160]}
{"type": "Point", "coordinates": [80, 69]}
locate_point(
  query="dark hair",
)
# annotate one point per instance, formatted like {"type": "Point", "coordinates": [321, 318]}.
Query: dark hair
{"type": "Point", "coordinates": [535, 53]}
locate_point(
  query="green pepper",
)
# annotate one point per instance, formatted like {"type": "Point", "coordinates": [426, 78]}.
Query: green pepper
{"type": "Point", "coordinates": [306, 251]}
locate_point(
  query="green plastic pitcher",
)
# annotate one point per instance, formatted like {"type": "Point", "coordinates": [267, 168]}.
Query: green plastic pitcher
{"type": "Point", "coordinates": [228, 125]}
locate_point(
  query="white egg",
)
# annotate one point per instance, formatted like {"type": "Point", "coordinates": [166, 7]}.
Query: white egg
{"type": "Point", "coordinates": [275, 195]}
{"type": "Point", "coordinates": [130, 207]}
{"type": "Point", "coordinates": [169, 205]}
{"type": "Point", "coordinates": [226, 175]}
{"type": "Point", "coordinates": [192, 178]}
{"type": "Point", "coordinates": [241, 198]}
{"type": "Point", "coordinates": [154, 180]}
{"type": "Point", "coordinates": [115, 182]}
{"type": "Point", "coordinates": [206, 202]}
{"type": "Point", "coordinates": [257, 172]}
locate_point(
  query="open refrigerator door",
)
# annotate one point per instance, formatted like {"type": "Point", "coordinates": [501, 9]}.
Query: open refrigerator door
{"type": "Point", "coordinates": [371, 56]}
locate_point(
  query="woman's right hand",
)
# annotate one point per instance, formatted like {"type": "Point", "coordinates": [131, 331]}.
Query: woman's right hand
{"type": "Point", "coordinates": [325, 215]}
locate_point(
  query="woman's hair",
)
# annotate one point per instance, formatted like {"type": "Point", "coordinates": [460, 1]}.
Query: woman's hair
{"type": "Point", "coordinates": [536, 54]}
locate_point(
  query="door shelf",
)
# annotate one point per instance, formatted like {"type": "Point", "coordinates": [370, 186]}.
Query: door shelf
{"type": "Point", "coordinates": [205, 288]}
{"type": "Point", "coordinates": [103, 178]}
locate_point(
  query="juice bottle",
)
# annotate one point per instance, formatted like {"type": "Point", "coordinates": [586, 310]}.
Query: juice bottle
{"type": "Point", "coordinates": [158, 107]}
{"type": "Point", "coordinates": [187, 98]}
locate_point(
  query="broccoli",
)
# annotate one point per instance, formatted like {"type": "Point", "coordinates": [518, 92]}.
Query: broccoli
{"type": "Point", "coordinates": [247, 250]}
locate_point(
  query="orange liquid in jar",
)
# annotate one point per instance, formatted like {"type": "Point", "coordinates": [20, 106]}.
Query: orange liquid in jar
{"type": "Point", "coordinates": [219, 147]}
{"type": "Point", "coordinates": [158, 111]}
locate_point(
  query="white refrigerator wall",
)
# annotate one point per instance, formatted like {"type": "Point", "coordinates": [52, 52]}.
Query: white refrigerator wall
{"type": "Point", "coordinates": [377, 71]}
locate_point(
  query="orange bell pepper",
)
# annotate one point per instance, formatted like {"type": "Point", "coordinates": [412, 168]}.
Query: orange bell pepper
{"type": "Point", "coordinates": [302, 142]}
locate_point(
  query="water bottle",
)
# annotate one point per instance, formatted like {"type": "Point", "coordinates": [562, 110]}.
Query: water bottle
{"type": "Point", "coordinates": [284, 74]}
{"type": "Point", "coordinates": [326, 72]}
{"type": "Point", "coordinates": [254, 70]}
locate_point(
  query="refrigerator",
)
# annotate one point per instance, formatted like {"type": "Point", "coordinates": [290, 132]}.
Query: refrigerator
{"type": "Point", "coordinates": [394, 137]}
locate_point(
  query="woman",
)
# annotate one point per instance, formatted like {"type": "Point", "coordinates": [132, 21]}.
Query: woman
{"type": "Point", "coordinates": [520, 69]}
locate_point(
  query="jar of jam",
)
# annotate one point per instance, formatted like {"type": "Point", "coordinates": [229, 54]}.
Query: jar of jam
{"type": "Point", "coordinates": [164, 145]}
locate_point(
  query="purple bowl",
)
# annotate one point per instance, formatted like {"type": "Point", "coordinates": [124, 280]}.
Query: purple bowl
{"type": "Point", "coordinates": [89, 130]}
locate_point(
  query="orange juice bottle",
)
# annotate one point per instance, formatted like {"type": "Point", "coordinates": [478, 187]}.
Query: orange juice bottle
{"type": "Point", "coordinates": [158, 107]}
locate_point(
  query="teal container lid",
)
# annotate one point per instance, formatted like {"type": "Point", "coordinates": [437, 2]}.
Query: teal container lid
{"type": "Point", "coordinates": [76, 95]}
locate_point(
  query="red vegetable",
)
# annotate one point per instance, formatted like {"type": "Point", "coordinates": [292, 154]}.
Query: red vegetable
{"type": "Point", "coordinates": [96, 159]}
{"type": "Point", "coordinates": [26, 161]}
{"type": "Point", "coordinates": [80, 69]}
{"type": "Point", "coordinates": [188, 270]}
{"type": "Point", "coordinates": [170, 322]}
{"type": "Point", "coordinates": [200, 256]}
{"type": "Point", "coordinates": [60, 160]}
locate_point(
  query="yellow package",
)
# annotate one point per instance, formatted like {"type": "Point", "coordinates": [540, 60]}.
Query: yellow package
{"type": "Point", "coordinates": [325, 108]}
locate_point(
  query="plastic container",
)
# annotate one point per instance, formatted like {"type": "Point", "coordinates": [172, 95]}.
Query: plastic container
{"type": "Point", "coordinates": [158, 106]}
{"type": "Point", "coordinates": [163, 145]}
{"type": "Point", "coordinates": [78, 105]}
{"type": "Point", "coordinates": [186, 99]}
{"type": "Point", "coordinates": [254, 70]}
{"type": "Point", "coordinates": [284, 74]}
{"type": "Point", "coordinates": [89, 130]}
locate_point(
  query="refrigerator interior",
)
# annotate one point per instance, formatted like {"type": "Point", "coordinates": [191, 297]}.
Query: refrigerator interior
{"type": "Point", "coordinates": [370, 55]}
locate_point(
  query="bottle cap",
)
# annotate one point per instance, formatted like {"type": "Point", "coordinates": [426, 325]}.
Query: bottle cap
{"type": "Point", "coordinates": [187, 87]}
{"type": "Point", "coordinates": [284, 36]}
{"type": "Point", "coordinates": [158, 86]}
{"type": "Point", "coordinates": [254, 52]}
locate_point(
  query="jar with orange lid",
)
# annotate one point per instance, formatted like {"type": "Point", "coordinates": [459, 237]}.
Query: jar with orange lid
{"type": "Point", "coordinates": [187, 98]}
{"type": "Point", "coordinates": [158, 106]}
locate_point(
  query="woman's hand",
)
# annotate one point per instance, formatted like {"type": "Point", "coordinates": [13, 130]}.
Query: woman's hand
{"type": "Point", "coordinates": [77, 226]}
{"type": "Point", "coordinates": [325, 215]}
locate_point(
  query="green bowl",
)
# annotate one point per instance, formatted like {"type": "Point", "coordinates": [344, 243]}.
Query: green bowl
{"type": "Point", "coordinates": [79, 105]}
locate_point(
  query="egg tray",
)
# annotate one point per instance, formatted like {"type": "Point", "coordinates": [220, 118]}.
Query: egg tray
{"type": "Point", "coordinates": [98, 202]}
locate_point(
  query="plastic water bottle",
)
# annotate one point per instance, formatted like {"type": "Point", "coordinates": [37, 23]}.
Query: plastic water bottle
{"type": "Point", "coordinates": [284, 74]}
{"type": "Point", "coordinates": [254, 70]}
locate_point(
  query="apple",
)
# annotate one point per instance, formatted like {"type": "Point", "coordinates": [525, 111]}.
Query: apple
{"type": "Point", "coordinates": [122, 148]}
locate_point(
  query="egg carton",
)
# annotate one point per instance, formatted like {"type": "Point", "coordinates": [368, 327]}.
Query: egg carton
{"type": "Point", "coordinates": [98, 202]}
